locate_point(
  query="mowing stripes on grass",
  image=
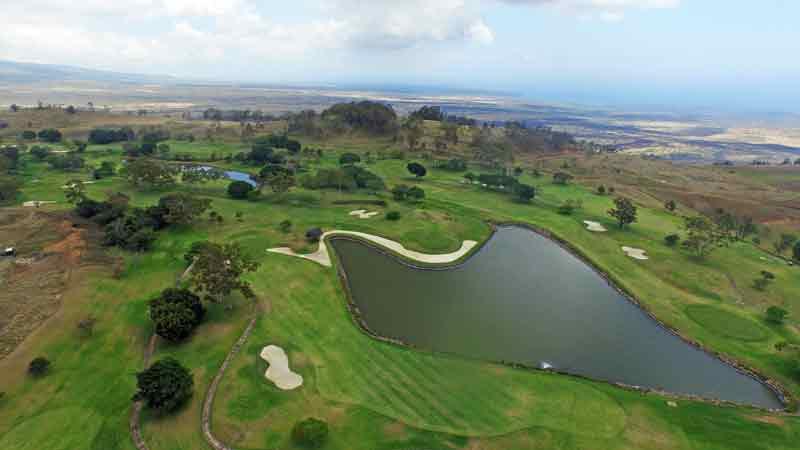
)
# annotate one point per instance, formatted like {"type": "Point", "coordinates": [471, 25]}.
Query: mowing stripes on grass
{"type": "Point", "coordinates": [724, 323]}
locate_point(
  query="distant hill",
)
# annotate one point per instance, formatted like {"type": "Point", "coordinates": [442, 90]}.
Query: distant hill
{"type": "Point", "coordinates": [23, 72]}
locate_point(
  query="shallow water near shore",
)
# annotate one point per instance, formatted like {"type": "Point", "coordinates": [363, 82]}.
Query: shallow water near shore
{"type": "Point", "coordinates": [524, 299]}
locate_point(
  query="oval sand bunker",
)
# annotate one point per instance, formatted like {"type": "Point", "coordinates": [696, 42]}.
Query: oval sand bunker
{"type": "Point", "coordinates": [279, 371]}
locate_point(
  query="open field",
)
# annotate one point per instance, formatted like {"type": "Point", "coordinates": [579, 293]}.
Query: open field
{"type": "Point", "coordinates": [379, 396]}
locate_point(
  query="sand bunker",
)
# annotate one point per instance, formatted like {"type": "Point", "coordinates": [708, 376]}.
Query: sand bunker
{"type": "Point", "coordinates": [38, 203]}
{"type": "Point", "coordinates": [594, 226]}
{"type": "Point", "coordinates": [635, 253]}
{"type": "Point", "coordinates": [363, 213]}
{"type": "Point", "coordinates": [322, 257]}
{"type": "Point", "coordinates": [278, 371]}
{"type": "Point", "coordinates": [66, 186]}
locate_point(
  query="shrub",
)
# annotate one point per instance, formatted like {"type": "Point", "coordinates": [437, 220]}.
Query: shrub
{"type": "Point", "coordinates": [285, 226]}
{"type": "Point", "coordinates": [28, 135]}
{"type": "Point", "coordinates": [175, 313]}
{"type": "Point", "coordinates": [417, 169]}
{"type": "Point", "coordinates": [416, 193]}
{"type": "Point", "coordinates": [601, 190]}
{"type": "Point", "coordinates": [561, 178]}
{"type": "Point", "coordinates": [776, 315]}
{"type": "Point", "coordinates": [393, 215]}
{"type": "Point", "coordinates": [39, 366]}
{"type": "Point", "coordinates": [310, 433]}
{"type": "Point", "coordinates": [164, 386]}
{"type": "Point", "coordinates": [314, 234]}
{"type": "Point", "coordinates": [349, 158]}
{"type": "Point", "coordinates": [671, 240]}
{"type": "Point", "coordinates": [524, 193]}
{"type": "Point", "coordinates": [239, 189]}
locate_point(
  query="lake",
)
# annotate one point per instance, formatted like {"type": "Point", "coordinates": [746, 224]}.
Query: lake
{"type": "Point", "coordinates": [523, 298]}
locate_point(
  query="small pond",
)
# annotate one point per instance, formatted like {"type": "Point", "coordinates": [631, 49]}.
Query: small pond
{"type": "Point", "coordinates": [522, 298]}
{"type": "Point", "coordinates": [230, 174]}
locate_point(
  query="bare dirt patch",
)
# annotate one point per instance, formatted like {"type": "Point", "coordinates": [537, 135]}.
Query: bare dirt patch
{"type": "Point", "coordinates": [32, 284]}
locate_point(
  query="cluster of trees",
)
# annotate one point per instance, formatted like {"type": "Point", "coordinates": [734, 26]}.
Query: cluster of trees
{"type": "Point", "coordinates": [263, 150]}
{"type": "Point", "coordinates": [363, 116]}
{"type": "Point", "coordinates": [67, 162]}
{"type": "Point", "coordinates": [50, 135]}
{"type": "Point", "coordinates": [131, 228]}
{"type": "Point", "coordinates": [9, 184]}
{"type": "Point", "coordinates": [346, 178]}
{"type": "Point", "coordinates": [453, 165]}
{"type": "Point", "coordinates": [429, 113]}
{"type": "Point", "coordinates": [357, 117]}
{"type": "Point", "coordinates": [521, 192]}
{"type": "Point", "coordinates": [102, 136]}
{"type": "Point", "coordinates": [403, 192]}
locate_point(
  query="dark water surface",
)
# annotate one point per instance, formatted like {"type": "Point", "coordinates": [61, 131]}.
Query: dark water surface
{"type": "Point", "coordinates": [525, 299]}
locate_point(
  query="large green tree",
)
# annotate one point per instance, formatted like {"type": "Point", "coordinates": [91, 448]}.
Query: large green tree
{"type": "Point", "coordinates": [165, 386]}
{"type": "Point", "coordinates": [218, 269]}
{"type": "Point", "coordinates": [175, 313]}
{"type": "Point", "coordinates": [704, 236]}
{"type": "Point", "coordinates": [624, 211]}
{"type": "Point", "coordinates": [146, 173]}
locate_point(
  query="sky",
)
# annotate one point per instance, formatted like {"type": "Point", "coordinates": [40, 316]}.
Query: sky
{"type": "Point", "coordinates": [735, 54]}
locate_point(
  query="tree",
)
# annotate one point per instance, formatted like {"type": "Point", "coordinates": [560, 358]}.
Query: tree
{"type": "Point", "coordinates": [671, 240]}
{"type": "Point", "coordinates": [415, 193]}
{"type": "Point", "coordinates": [471, 177]}
{"type": "Point", "coordinates": [524, 193]}
{"type": "Point", "coordinates": [314, 234]}
{"type": "Point", "coordinates": [28, 135]}
{"type": "Point", "coordinates": [239, 189]}
{"type": "Point", "coordinates": [561, 178]}
{"type": "Point", "coordinates": [310, 433]}
{"type": "Point", "coordinates": [9, 189]}
{"type": "Point", "coordinates": [776, 315]}
{"type": "Point", "coordinates": [624, 211]}
{"type": "Point", "coordinates": [105, 170]}
{"type": "Point", "coordinates": [180, 208]}
{"type": "Point", "coordinates": [39, 366]}
{"type": "Point", "coordinates": [704, 236]}
{"type": "Point", "coordinates": [393, 215]}
{"type": "Point", "coordinates": [175, 313]}
{"type": "Point", "coordinates": [50, 135]}
{"type": "Point", "coordinates": [218, 269]}
{"type": "Point", "coordinates": [796, 251]}
{"type": "Point", "coordinates": [75, 191]}
{"type": "Point", "coordinates": [349, 158]}
{"type": "Point", "coordinates": [764, 280]}
{"type": "Point", "coordinates": [147, 173]}
{"type": "Point", "coordinates": [165, 386]}
{"type": "Point", "coordinates": [417, 169]}
{"type": "Point", "coordinates": [601, 190]}
{"type": "Point", "coordinates": [569, 207]}
{"type": "Point", "coordinates": [784, 242]}
{"type": "Point", "coordinates": [400, 192]}
{"type": "Point", "coordinates": [281, 182]}
{"type": "Point", "coordinates": [670, 205]}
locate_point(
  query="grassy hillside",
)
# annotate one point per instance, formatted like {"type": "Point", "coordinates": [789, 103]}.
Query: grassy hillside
{"type": "Point", "coordinates": [375, 395]}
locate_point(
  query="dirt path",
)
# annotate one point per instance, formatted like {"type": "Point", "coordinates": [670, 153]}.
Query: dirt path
{"type": "Point", "coordinates": [208, 403]}
{"type": "Point", "coordinates": [136, 411]}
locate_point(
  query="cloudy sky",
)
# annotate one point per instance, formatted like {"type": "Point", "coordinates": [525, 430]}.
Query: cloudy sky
{"type": "Point", "coordinates": [585, 51]}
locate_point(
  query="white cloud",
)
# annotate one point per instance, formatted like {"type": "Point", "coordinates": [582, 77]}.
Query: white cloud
{"type": "Point", "coordinates": [608, 10]}
{"type": "Point", "coordinates": [181, 35]}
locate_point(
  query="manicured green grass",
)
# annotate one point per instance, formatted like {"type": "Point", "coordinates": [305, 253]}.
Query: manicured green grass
{"type": "Point", "coordinates": [727, 324]}
{"type": "Point", "coordinates": [375, 395]}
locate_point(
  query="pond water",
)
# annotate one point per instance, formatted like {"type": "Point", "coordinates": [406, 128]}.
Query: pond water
{"type": "Point", "coordinates": [232, 174]}
{"type": "Point", "coordinates": [522, 298]}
